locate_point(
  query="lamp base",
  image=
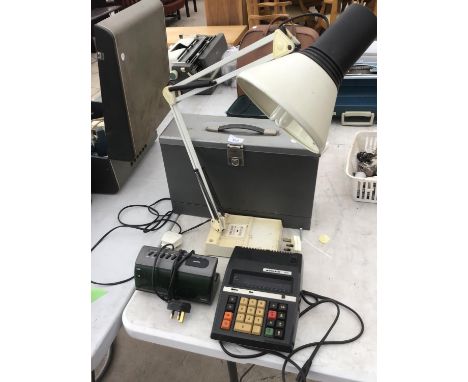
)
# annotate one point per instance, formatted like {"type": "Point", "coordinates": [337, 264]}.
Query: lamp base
{"type": "Point", "coordinates": [244, 231]}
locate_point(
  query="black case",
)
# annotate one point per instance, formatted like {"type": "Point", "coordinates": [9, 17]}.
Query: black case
{"type": "Point", "coordinates": [205, 51]}
{"type": "Point", "coordinates": [202, 53]}
{"type": "Point", "coordinates": [196, 278]}
{"type": "Point", "coordinates": [277, 179]}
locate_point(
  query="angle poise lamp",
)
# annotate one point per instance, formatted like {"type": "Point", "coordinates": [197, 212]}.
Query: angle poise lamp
{"type": "Point", "coordinates": [295, 89]}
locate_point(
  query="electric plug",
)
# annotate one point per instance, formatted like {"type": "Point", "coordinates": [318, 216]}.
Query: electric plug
{"type": "Point", "coordinates": [173, 238]}
{"type": "Point", "coordinates": [179, 307]}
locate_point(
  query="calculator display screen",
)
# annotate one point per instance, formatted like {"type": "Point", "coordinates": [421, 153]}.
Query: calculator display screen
{"type": "Point", "coordinates": [257, 281]}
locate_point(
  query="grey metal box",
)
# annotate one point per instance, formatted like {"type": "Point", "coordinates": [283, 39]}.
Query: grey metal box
{"type": "Point", "coordinates": [276, 180]}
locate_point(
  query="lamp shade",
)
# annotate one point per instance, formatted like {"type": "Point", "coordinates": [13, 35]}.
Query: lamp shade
{"type": "Point", "coordinates": [298, 91]}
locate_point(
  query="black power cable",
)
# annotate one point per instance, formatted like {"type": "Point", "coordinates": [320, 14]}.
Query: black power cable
{"type": "Point", "coordinates": [153, 225]}
{"type": "Point", "coordinates": [304, 370]}
{"type": "Point", "coordinates": [244, 374]}
{"type": "Point", "coordinates": [113, 283]}
{"type": "Point", "coordinates": [314, 14]}
{"type": "Point", "coordinates": [173, 302]}
{"type": "Point", "coordinates": [195, 226]}
{"type": "Point", "coordinates": [156, 258]}
{"type": "Point", "coordinates": [182, 256]}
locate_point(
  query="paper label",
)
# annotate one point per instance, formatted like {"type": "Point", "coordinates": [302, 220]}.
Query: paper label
{"type": "Point", "coordinates": [277, 271]}
{"type": "Point", "coordinates": [235, 140]}
{"type": "Point", "coordinates": [236, 230]}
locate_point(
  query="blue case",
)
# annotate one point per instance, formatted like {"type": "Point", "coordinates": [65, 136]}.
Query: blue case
{"type": "Point", "coordinates": [357, 100]}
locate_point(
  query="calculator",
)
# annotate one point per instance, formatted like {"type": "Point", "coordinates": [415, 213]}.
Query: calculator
{"type": "Point", "coordinates": [258, 305]}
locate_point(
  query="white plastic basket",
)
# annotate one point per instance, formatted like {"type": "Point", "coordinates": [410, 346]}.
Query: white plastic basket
{"type": "Point", "coordinates": [363, 189]}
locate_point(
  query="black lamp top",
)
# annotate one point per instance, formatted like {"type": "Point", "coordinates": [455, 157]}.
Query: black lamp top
{"type": "Point", "coordinates": [345, 41]}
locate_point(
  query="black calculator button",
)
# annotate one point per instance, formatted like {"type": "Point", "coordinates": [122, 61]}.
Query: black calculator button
{"type": "Point", "coordinates": [270, 323]}
{"type": "Point", "coordinates": [279, 333]}
{"type": "Point", "coordinates": [281, 316]}
{"type": "Point", "coordinates": [279, 324]}
{"type": "Point", "coordinates": [282, 307]}
{"type": "Point", "coordinates": [273, 305]}
{"type": "Point", "coordinates": [230, 307]}
{"type": "Point", "coordinates": [232, 299]}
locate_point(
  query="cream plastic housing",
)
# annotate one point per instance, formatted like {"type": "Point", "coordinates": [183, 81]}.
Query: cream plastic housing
{"type": "Point", "coordinates": [244, 231]}
{"type": "Point", "coordinates": [297, 94]}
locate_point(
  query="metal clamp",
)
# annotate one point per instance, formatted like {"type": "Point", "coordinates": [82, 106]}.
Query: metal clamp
{"type": "Point", "coordinates": [235, 155]}
{"type": "Point", "coordinates": [364, 114]}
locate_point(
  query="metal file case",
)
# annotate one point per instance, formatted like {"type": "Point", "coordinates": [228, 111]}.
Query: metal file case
{"type": "Point", "coordinates": [250, 174]}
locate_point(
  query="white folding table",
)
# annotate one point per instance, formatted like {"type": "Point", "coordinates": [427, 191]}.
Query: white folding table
{"type": "Point", "coordinates": [114, 258]}
{"type": "Point", "coordinates": [344, 269]}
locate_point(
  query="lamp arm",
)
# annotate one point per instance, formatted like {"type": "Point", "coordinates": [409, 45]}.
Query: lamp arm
{"type": "Point", "coordinates": [258, 44]}
{"type": "Point", "coordinates": [282, 45]}
{"type": "Point", "coordinates": [222, 79]}
{"type": "Point", "coordinates": [217, 218]}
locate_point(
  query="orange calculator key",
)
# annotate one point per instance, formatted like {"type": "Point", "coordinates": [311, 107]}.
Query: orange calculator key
{"type": "Point", "coordinates": [228, 316]}
{"type": "Point", "coordinates": [226, 324]}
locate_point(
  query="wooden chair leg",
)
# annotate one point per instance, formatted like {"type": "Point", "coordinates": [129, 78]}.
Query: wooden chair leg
{"type": "Point", "coordinates": [334, 10]}
{"type": "Point", "coordinates": [178, 14]}
{"type": "Point", "coordinates": [187, 10]}
{"type": "Point", "coordinates": [195, 5]}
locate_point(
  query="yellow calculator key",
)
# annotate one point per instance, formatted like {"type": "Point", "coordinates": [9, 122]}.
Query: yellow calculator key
{"type": "Point", "coordinates": [258, 320]}
{"type": "Point", "coordinates": [243, 328]}
{"type": "Point", "coordinates": [253, 302]}
{"type": "Point", "coordinates": [257, 330]}
{"type": "Point", "coordinates": [244, 301]}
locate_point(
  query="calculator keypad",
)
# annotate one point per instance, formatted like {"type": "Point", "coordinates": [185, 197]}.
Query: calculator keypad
{"type": "Point", "coordinates": [255, 316]}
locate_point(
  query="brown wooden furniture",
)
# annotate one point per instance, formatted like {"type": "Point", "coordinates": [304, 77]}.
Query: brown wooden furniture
{"type": "Point", "coordinates": [233, 33]}
{"type": "Point", "coordinates": [258, 10]}
{"type": "Point", "coordinates": [322, 6]}
{"type": "Point", "coordinates": [338, 6]}
{"type": "Point", "coordinates": [225, 12]}
{"type": "Point", "coordinates": [326, 7]}
{"type": "Point", "coordinates": [98, 14]}
{"type": "Point", "coordinates": [305, 4]}
{"type": "Point", "coordinates": [173, 7]}
{"type": "Point", "coordinates": [371, 4]}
